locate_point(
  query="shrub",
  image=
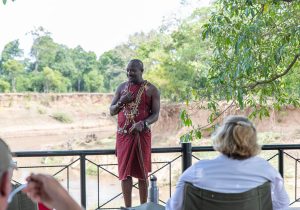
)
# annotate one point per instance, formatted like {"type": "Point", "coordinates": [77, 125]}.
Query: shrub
{"type": "Point", "coordinates": [62, 117]}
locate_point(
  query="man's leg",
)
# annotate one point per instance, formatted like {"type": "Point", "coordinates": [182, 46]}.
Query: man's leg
{"type": "Point", "coordinates": [143, 189]}
{"type": "Point", "coordinates": [127, 189]}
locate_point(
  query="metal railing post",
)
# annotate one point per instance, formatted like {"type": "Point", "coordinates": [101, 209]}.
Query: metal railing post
{"type": "Point", "coordinates": [280, 162]}
{"type": "Point", "coordinates": [82, 181]}
{"type": "Point", "coordinates": [186, 155]}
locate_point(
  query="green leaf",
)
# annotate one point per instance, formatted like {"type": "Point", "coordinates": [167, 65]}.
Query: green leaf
{"type": "Point", "coordinates": [186, 138]}
{"type": "Point", "coordinates": [247, 12]}
{"type": "Point", "coordinates": [237, 45]}
{"type": "Point", "coordinates": [211, 118]}
{"type": "Point", "coordinates": [185, 119]}
{"type": "Point", "coordinates": [212, 105]}
{"type": "Point", "coordinates": [278, 54]}
{"type": "Point", "coordinates": [266, 8]}
{"type": "Point", "coordinates": [4, 1]}
{"type": "Point", "coordinates": [249, 2]}
{"type": "Point", "coordinates": [182, 115]}
{"type": "Point", "coordinates": [198, 134]}
{"type": "Point", "coordinates": [189, 122]}
{"type": "Point", "coordinates": [240, 98]}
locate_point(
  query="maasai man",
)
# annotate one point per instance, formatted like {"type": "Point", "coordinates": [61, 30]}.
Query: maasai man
{"type": "Point", "coordinates": [137, 103]}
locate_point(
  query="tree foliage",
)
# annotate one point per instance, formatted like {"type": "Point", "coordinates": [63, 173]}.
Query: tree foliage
{"type": "Point", "coordinates": [256, 43]}
{"type": "Point", "coordinates": [255, 57]}
{"type": "Point", "coordinates": [12, 69]}
{"type": "Point", "coordinates": [244, 52]}
{"type": "Point", "coordinates": [11, 51]}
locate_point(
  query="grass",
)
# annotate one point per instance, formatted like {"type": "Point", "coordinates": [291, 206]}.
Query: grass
{"type": "Point", "coordinates": [62, 117]}
{"type": "Point", "coordinates": [91, 170]}
{"type": "Point", "coordinates": [41, 111]}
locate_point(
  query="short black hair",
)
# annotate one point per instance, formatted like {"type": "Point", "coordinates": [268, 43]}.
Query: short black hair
{"type": "Point", "coordinates": [138, 63]}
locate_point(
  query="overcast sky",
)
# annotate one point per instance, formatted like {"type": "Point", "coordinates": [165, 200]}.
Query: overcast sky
{"type": "Point", "coordinates": [96, 25]}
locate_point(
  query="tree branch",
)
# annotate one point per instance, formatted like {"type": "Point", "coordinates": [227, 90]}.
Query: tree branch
{"type": "Point", "coordinates": [252, 86]}
{"type": "Point", "coordinates": [219, 115]}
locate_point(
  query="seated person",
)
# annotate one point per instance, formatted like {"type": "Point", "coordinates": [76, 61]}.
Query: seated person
{"type": "Point", "coordinates": [41, 188]}
{"type": "Point", "coordinates": [237, 169]}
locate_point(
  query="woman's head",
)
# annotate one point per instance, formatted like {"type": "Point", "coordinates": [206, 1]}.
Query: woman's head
{"type": "Point", "coordinates": [236, 138]}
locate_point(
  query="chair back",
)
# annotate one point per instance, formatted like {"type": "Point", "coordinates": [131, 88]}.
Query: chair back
{"type": "Point", "coordinates": [258, 198]}
{"type": "Point", "coordinates": [21, 202]}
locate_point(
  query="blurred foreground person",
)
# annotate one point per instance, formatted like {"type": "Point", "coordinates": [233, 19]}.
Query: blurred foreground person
{"type": "Point", "coordinates": [40, 188]}
{"type": "Point", "coordinates": [6, 168]}
{"type": "Point", "coordinates": [47, 190]}
{"type": "Point", "coordinates": [237, 169]}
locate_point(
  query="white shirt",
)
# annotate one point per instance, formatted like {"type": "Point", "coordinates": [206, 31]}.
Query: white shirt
{"type": "Point", "coordinates": [226, 175]}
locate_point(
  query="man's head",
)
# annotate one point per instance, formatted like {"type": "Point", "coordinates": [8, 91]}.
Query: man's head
{"type": "Point", "coordinates": [6, 165]}
{"type": "Point", "coordinates": [135, 69]}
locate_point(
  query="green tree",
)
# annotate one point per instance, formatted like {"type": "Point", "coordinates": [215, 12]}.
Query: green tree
{"type": "Point", "coordinates": [53, 81]}
{"type": "Point", "coordinates": [64, 62]}
{"type": "Point", "coordinates": [24, 82]}
{"type": "Point", "coordinates": [255, 52]}
{"type": "Point", "coordinates": [11, 51]}
{"type": "Point", "coordinates": [4, 86]}
{"type": "Point", "coordinates": [43, 50]}
{"type": "Point", "coordinates": [176, 61]}
{"type": "Point", "coordinates": [84, 62]}
{"type": "Point", "coordinates": [256, 43]}
{"type": "Point", "coordinates": [12, 69]}
{"type": "Point", "coordinates": [112, 65]}
{"type": "Point", "coordinates": [93, 81]}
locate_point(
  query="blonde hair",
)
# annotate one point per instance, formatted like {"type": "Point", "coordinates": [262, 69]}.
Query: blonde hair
{"type": "Point", "coordinates": [236, 138]}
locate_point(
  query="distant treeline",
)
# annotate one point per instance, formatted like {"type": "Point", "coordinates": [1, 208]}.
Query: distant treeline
{"type": "Point", "coordinates": [174, 59]}
{"type": "Point", "coordinates": [246, 54]}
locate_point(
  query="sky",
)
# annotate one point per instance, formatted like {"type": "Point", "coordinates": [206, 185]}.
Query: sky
{"type": "Point", "coordinates": [95, 25]}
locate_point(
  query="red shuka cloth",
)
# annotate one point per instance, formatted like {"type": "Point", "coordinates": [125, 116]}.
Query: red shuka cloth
{"type": "Point", "coordinates": [127, 150]}
{"type": "Point", "coordinates": [42, 207]}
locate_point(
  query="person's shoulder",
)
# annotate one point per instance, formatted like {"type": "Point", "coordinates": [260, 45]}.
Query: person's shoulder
{"type": "Point", "coordinates": [266, 167]}
{"type": "Point", "coordinates": [151, 87]}
{"type": "Point", "coordinates": [203, 163]}
{"type": "Point", "coordinates": [121, 86]}
{"type": "Point", "coordinates": [259, 159]}
{"type": "Point", "coordinates": [262, 163]}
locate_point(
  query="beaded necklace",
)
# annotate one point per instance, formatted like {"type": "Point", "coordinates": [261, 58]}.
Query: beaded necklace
{"type": "Point", "coordinates": [131, 109]}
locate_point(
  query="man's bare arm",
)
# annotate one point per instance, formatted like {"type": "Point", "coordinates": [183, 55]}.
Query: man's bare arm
{"type": "Point", "coordinates": [155, 106]}
{"type": "Point", "coordinates": [115, 106]}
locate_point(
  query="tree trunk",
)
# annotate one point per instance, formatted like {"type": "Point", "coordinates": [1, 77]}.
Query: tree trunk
{"type": "Point", "coordinates": [13, 84]}
{"type": "Point", "coordinates": [78, 84]}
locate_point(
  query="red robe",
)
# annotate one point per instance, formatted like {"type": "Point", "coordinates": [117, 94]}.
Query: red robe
{"type": "Point", "coordinates": [132, 160]}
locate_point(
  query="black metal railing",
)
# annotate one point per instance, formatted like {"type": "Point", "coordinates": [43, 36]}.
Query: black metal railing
{"type": "Point", "coordinates": [185, 152]}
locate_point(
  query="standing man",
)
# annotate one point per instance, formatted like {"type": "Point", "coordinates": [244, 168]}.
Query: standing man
{"type": "Point", "coordinates": [137, 103]}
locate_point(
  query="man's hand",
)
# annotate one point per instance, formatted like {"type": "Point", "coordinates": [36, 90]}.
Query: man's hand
{"type": "Point", "coordinates": [137, 127]}
{"type": "Point", "coordinates": [47, 190]}
{"type": "Point", "coordinates": [127, 98]}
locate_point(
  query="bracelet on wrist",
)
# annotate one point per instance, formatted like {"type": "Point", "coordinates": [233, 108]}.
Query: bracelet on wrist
{"type": "Point", "coordinates": [119, 104]}
{"type": "Point", "coordinates": [146, 124]}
